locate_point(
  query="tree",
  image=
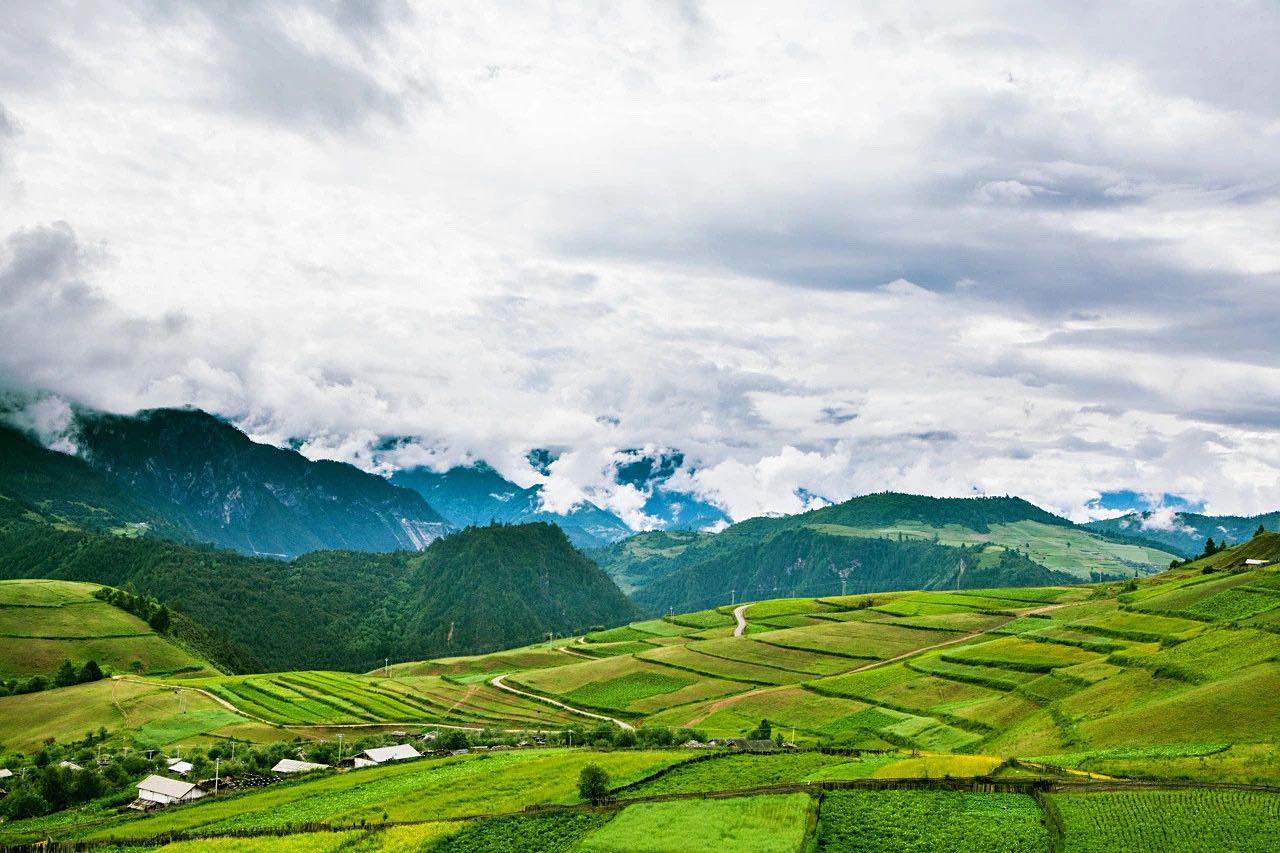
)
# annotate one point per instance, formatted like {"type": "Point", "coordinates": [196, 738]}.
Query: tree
{"type": "Point", "coordinates": [66, 675]}
{"type": "Point", "coordinates": [593, 784]}
{"type": "Point", "coordinates": [764, 731]}
{"type": "Point", "coordinates": [159, 620]}
{"type": "Point", "coordinates": [452, 740]}
{"type": "Point", "coordinates": [90, 672]}
{"type": "Point", "coordinates": [1209, 548]}
{"type": "Point", "coordinates": [1261, 530]}
{"type": "Point", "coordinates": [24, 803]}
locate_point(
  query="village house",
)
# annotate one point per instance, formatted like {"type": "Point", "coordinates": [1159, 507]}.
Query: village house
{"type": "Point", "coordinates": [383, 754]}
{"type": "Point", "coordinates": [156, 791]}
{"type": "Point", "coordinates": [290, 765]}
{"type": "Point", "coordinates": [177, 765]}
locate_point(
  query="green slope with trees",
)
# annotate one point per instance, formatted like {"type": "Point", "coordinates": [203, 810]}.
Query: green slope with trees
{"type": "Point", "coordinates": [481, 589]}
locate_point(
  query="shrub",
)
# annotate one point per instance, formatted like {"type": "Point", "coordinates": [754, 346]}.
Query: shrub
{"type": "Point", "coordinates": [593, 784]}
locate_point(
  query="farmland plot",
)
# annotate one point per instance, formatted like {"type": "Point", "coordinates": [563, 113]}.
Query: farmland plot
{"type": "Point", "coordinates": [929, 821]}
{"type": "Point", "coordinates": [762, 824]}
{"type": "Point", "coordinates": [1161, 821]}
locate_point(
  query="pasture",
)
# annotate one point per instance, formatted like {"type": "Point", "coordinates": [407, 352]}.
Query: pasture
{"type": "Point", "coordinates": [760, 824]}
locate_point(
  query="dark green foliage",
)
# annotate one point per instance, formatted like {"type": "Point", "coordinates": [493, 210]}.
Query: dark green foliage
{"type": "Point", "coordinates": [593, 784]}
{"type": "Point", "coordinates": [159, 620]}
{"type": "Point", "coordinates": [802, 561]}
{"type": "Point", "coordinates": [551, 833]}
{"type": "Point", "coordinates": [89, 672]}
{"type": "Point", "coordinates": [764, 731]}
{"type": "Point", "coordinates": [478, 590]}
{"type": "Point", "coordinates": [1262, 528]}
{"type": "Point", "coordinates": [453, 739]}
{"type": "Point", "coordinates": [66, 675]}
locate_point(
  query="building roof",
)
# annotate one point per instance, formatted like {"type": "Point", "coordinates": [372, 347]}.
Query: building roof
{"type": "Point", "coordinates": [177, 765]}
{"type": "Point", "coordinates": [290, 765]}
{"type": "Point", "coordinates": [398, 752]}
{"type": "Point", "coordinates": [1256, 562]}
{"type": "Point", "coordinates": [5, 772]}
{"type": "Point", "coordinates": [175, 788]}
{"type": "Point", "coordinates": [70, 765]}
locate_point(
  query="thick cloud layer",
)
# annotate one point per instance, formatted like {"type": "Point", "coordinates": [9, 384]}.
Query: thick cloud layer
{"type": "Point", "coordinates": [954, 248]}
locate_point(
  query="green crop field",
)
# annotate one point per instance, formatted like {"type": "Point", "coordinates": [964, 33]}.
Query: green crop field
{"type": "Point", "coordinates": [43, 623]}
{"type": "Point", "coordinates": [929, 821]}
{"type": "Point", "coordinates": [762, 824]}
{"type": "Point", "coordinates": [1161, 821]}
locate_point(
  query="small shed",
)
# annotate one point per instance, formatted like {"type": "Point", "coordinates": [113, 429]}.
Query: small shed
{"type": "Point", "coordinates": [177, 765]}
{"type": "Point", "coordinates": [1252, 562]}
{"type": "Point", "coordinates": [5, 772]}
{"type": "Point", "coordinates": [290, 765]}
{"type": "Point", "coordinates": [383, 754]}
{"type": "Point", "coordinates": [161, 791]}
{"type": "Point", "coordinates": [69, 765]}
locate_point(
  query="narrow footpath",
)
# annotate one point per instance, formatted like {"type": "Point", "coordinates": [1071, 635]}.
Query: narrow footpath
{"type": "Point", "coordinates": [740, 613]}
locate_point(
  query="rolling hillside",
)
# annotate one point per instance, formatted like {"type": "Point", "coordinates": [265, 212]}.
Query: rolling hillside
{"type": "Point", "coordinates": [480, 589]}
{"type": "Point", "coordinates": [880, 542]}
{"type": "Point", "coordinates": [1138, 715]}
{"type": "Point", "coordinates": [44, 622]}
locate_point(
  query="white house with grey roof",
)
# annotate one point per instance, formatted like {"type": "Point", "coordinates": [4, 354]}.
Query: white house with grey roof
{"type": "Point", "coordinates": [161, 791]}
{"type": "Point", "coordinates": [383, 754]}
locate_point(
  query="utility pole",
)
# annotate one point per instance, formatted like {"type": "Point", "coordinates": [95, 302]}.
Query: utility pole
{"type": "Point", "coordinates": [733, 597]}
{"type": "Point", "coordinates": [216, 763]}
{"type": "Point", "coordinates": [339, 747]}
{"type": "Point", "coordinates": [386, 667]}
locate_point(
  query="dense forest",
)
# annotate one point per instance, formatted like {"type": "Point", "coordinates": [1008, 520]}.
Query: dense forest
{"type": "Point", "coordinates": [478, 590]}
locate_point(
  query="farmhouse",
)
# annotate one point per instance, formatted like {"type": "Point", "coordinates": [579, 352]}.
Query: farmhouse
{"type": "Point", "coordinates": [752, 744]}
{"type": "Point", "coordinates": [158, 791]}
{"type": "Point", "coordinates": [1256, 562]}
{"type": "Point", "coordinates": [290, 765]}
{"type": "Point", "coordinates": [177, 765]}
{"type": "Point", "coordinates": [69, 765]}
{"type": "Point", "coordinates": [382, 754]}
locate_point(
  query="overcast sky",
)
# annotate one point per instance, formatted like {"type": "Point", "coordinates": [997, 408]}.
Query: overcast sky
{"type": "Point", "coordinates": [953, 248]}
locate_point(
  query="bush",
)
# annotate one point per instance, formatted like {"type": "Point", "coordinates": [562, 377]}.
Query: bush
{"type": "Point", "coordinates": [593, 784]}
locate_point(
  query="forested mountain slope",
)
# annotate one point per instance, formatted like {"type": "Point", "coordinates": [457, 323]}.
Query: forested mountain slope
{"type": "Point", "coordinates": [480, 589]}
{"type": "Point", "coordinates": [878, 542]}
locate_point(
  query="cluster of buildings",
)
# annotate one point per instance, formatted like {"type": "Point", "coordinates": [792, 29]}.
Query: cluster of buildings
{"type": "Point", "coordinates": [157, 791]}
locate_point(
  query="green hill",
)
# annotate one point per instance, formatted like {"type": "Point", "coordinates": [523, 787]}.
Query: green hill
{"type": "Point", "coordinates": [478, 590]}
{"type": "Point", "coordinates": [883, 541]}
{"type": "Point", "coordinates": [44, 622]}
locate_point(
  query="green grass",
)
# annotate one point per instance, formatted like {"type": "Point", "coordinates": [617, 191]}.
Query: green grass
{"type": "Point", "coordinates": [930, 821]}
{"type": "Point", "coordinates": [411, 791]}
{"type": "Point", "coordinates": [1018, 654]}
{"type": "Point", "coordinates": [551, 833]}
{"type": "Point", "coordinates": [43, 623]}
{"type": "Point", "coordinates": [619, 693]}
{"type": "Point", "coordinates": [1162, 821]}
{"type": "Point", "coordinates": [118, 705]}
{"type": "Point", "coordinates": [739, 772]}
{"type": "Point", "coordinates": [763, 824]}
{"type": "Point", "coordinates": [166, 730]}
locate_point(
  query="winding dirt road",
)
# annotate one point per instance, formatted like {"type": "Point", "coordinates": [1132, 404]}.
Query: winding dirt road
{"type": "Point", "coordinates": [497, 682]}
{"type": "Point", "coordinates": [740, 613]}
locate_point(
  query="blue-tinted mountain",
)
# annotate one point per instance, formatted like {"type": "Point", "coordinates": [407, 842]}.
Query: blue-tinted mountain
{"type": "Point", "coordinates": [1186, 532]}
{"type": "Point", "coordinates": [477, 495]}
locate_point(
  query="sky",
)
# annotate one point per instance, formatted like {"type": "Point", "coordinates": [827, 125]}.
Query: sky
{"type": "Point", "coordinates": [951, 248]}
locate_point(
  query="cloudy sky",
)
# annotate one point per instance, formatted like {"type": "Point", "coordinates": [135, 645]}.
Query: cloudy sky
{"type": "Point", "coordinates": [952, 248]}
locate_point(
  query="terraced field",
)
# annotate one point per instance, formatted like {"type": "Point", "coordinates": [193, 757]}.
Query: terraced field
{"type": "Point", "coordinates": [43, 623]}
{"type": "Point", "coordinates": [333, 698]}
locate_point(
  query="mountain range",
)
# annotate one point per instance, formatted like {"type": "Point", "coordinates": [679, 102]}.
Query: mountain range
{"type": "Point", "coordinates": [876, 542]}
{"type": "Point", "coordinates": [1187, 532]}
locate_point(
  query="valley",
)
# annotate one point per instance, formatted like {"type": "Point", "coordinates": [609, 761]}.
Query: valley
{"type": "Point", "coordinates": [1033, 718]}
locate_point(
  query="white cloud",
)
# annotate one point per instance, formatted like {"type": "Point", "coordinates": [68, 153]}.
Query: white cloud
{"type": "Point", "coordinates": [952, 248]}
